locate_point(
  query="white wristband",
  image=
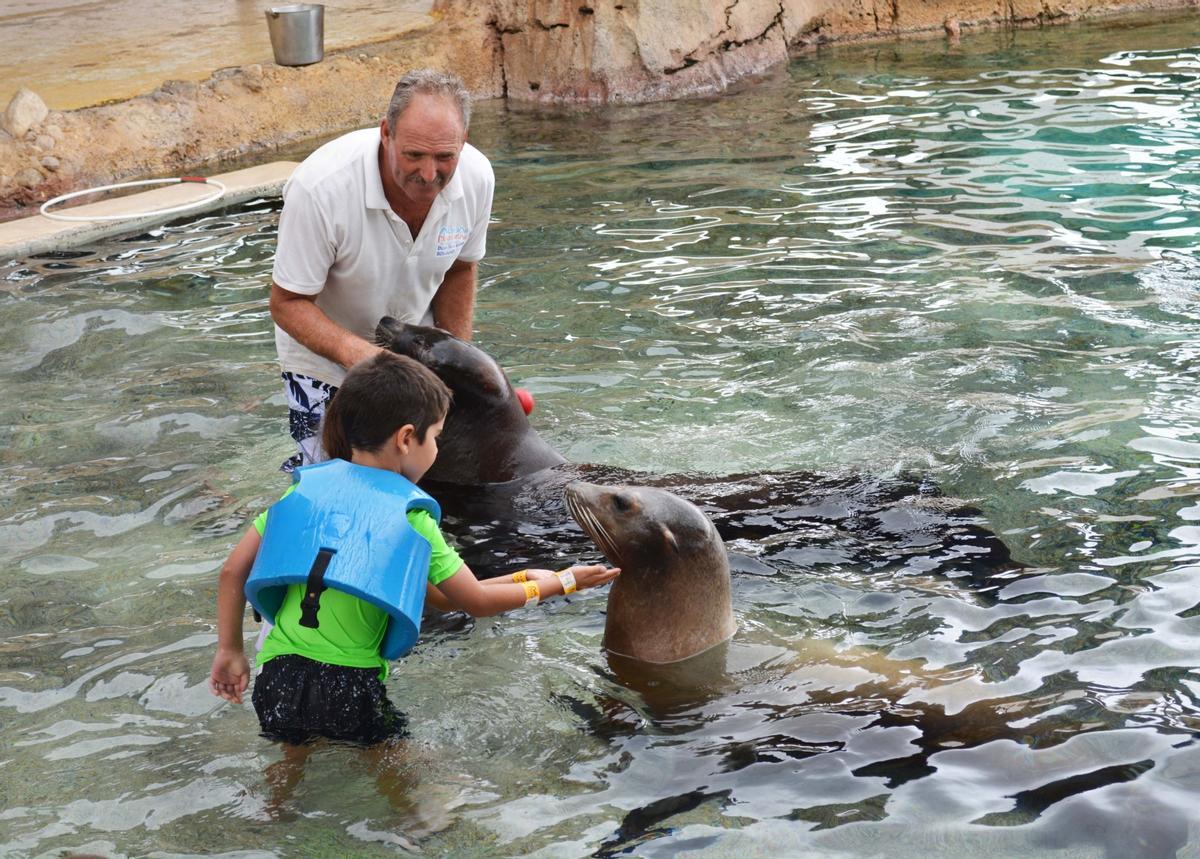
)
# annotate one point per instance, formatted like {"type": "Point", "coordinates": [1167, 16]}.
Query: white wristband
{"type": "Point", "coordinates": [568, 581]}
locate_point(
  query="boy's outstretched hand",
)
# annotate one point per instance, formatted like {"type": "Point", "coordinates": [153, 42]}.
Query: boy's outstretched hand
{"type": "Point", "coordinates": [230, 675]}
{"type": "Point", "coordinates": [594, 575]}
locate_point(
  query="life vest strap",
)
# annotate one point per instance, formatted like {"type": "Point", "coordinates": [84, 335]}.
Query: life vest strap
{"type": "Point", "coordinates": [313, 588]}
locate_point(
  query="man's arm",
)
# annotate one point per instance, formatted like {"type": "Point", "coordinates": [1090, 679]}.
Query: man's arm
{"type": "Point", "coordinates": [300, 317]}
{"type": "Point", "coordinates": [454, 302]}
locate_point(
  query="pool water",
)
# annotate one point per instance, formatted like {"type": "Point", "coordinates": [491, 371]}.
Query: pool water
{"type": "Point", "coordinates": [975, 262]}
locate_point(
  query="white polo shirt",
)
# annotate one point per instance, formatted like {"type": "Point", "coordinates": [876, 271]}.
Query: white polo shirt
{"type": "Point", "coordinates": [340, 240]}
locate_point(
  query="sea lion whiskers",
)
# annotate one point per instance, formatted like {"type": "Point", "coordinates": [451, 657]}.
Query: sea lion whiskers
{"type": "Point", "coordinates": [594, 528]}
{"type": "Point", "coordinates": [600, 535]}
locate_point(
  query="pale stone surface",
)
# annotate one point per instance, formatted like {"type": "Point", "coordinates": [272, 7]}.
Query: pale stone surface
{"type": "Point", "coordinates": [76, 53]}
{"type": "Point", "coordinates": [25, 111]}
{"type": "Point", "coordinates": [138, 211]}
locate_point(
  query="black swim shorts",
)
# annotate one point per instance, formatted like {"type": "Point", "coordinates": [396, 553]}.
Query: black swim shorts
{"type": "Point", "coordinates": [299, 700]}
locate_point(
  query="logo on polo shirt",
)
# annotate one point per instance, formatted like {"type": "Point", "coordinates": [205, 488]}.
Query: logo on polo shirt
{"type": "Point", "coordinates": [450, 240]}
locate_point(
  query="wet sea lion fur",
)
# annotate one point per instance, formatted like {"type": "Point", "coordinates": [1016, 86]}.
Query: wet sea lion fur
{"type": "Point", "coordinates": [672, 600]}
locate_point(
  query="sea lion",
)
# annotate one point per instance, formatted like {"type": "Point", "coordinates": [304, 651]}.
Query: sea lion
{"type": "Point", "coordinates": [500, 485]}
{"type": "Point", "coordinates": [670, 639]}
{"type": "Point", "coordinates": [669, 628]}
{"type": "Point", "coordinates": [487, 437]}
{"type": "Point", "coordinates": [672, 600]}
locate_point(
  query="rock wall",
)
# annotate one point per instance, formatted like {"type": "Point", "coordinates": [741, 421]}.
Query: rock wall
{"type": "Point", "coordinates": [637, 50]}
{"type": "Point", "coordinates": [604, 51]}
{"type": "Point", "coordinates": [549, 51]}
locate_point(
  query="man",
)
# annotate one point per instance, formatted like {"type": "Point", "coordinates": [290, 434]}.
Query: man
{"type": "Point", "coordinates": [387, 222]}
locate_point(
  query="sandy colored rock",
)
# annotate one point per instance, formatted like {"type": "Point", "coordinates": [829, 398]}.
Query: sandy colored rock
{"type": "Point", "coordinates": [252, 78]}
{"type": "Point", "coordinates": [29, 178]}
{"type": "Point", "coordinates": [24, 112]}
{"type": "Point", "coordinates": [613, 52]}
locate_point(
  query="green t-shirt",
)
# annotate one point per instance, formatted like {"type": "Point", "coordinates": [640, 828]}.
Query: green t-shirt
{"type": "Point", "coordinates": [351, 630]}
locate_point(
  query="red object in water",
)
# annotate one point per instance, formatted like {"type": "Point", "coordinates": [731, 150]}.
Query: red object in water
{"type": "Point", "coordinates": [526, 399]}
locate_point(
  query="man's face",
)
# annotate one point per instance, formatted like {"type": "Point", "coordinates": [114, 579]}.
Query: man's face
{"type": "Point", "coordinates": [421, 153]}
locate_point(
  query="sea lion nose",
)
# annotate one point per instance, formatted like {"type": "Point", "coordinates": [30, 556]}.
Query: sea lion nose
{"type": "Point", "coordinates": [581, 487]}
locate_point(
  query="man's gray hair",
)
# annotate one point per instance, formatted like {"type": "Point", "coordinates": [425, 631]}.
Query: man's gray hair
{"type": "Point", "coordinates": [429, 82]}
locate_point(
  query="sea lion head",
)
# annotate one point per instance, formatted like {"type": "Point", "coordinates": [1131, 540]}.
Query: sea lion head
{"type": "Point", "coordinates": [487, 437]}
{"type": "Point", "coordinates": [472, 375]}
{"type": "Point", "coordinates": [672, 599]}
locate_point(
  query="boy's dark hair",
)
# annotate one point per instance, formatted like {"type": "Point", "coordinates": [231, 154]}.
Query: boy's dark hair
{"type": "Point", "coordinates": [378, 396]}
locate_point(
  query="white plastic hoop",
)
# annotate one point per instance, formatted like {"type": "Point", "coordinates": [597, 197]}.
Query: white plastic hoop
{"type": "Point", "coordinates": [183, 207]}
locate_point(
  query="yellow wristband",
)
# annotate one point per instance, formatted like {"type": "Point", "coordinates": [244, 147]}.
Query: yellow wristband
{"type": "Point", "coordinates": [520, 576]}
{"type": "Point", "coordinates": [568, 581]}
{"type": "Point", "coordinates": [533, 594]}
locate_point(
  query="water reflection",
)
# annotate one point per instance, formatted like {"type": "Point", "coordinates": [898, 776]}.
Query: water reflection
{"type": "Point", "coordinates": [974, 262]}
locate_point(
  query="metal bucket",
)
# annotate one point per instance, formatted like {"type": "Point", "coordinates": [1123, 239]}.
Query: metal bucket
{"type": "Point", "coordinates": [297, 33]}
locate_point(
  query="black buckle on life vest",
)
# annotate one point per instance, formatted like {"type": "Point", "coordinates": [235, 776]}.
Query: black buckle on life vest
{"type": "Point", "coordinates": [313, 588]}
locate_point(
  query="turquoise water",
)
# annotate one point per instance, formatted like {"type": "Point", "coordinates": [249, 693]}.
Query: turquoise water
{"type": "Point", "coordinates": [976, 262]}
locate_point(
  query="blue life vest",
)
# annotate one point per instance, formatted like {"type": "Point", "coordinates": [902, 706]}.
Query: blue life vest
{"type": "Point", "coordinates": [345, 526]}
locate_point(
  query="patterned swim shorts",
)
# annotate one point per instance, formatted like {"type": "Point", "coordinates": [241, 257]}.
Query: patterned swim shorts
{"type": "Point", "coordinates": [298, 700]}
{"type": "Point", "coordinates": [306, 398]}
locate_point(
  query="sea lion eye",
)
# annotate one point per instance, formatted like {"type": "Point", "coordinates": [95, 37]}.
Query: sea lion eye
{"type": "Point", "coordinates": [622, 502]}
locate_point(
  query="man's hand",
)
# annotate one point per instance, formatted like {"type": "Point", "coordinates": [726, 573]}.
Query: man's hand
{"type": "Point", "coordinates": [360, 350]}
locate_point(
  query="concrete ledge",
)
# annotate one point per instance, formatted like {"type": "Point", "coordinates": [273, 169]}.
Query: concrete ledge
{"type": "Point", "coordinates": [39, 234]}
